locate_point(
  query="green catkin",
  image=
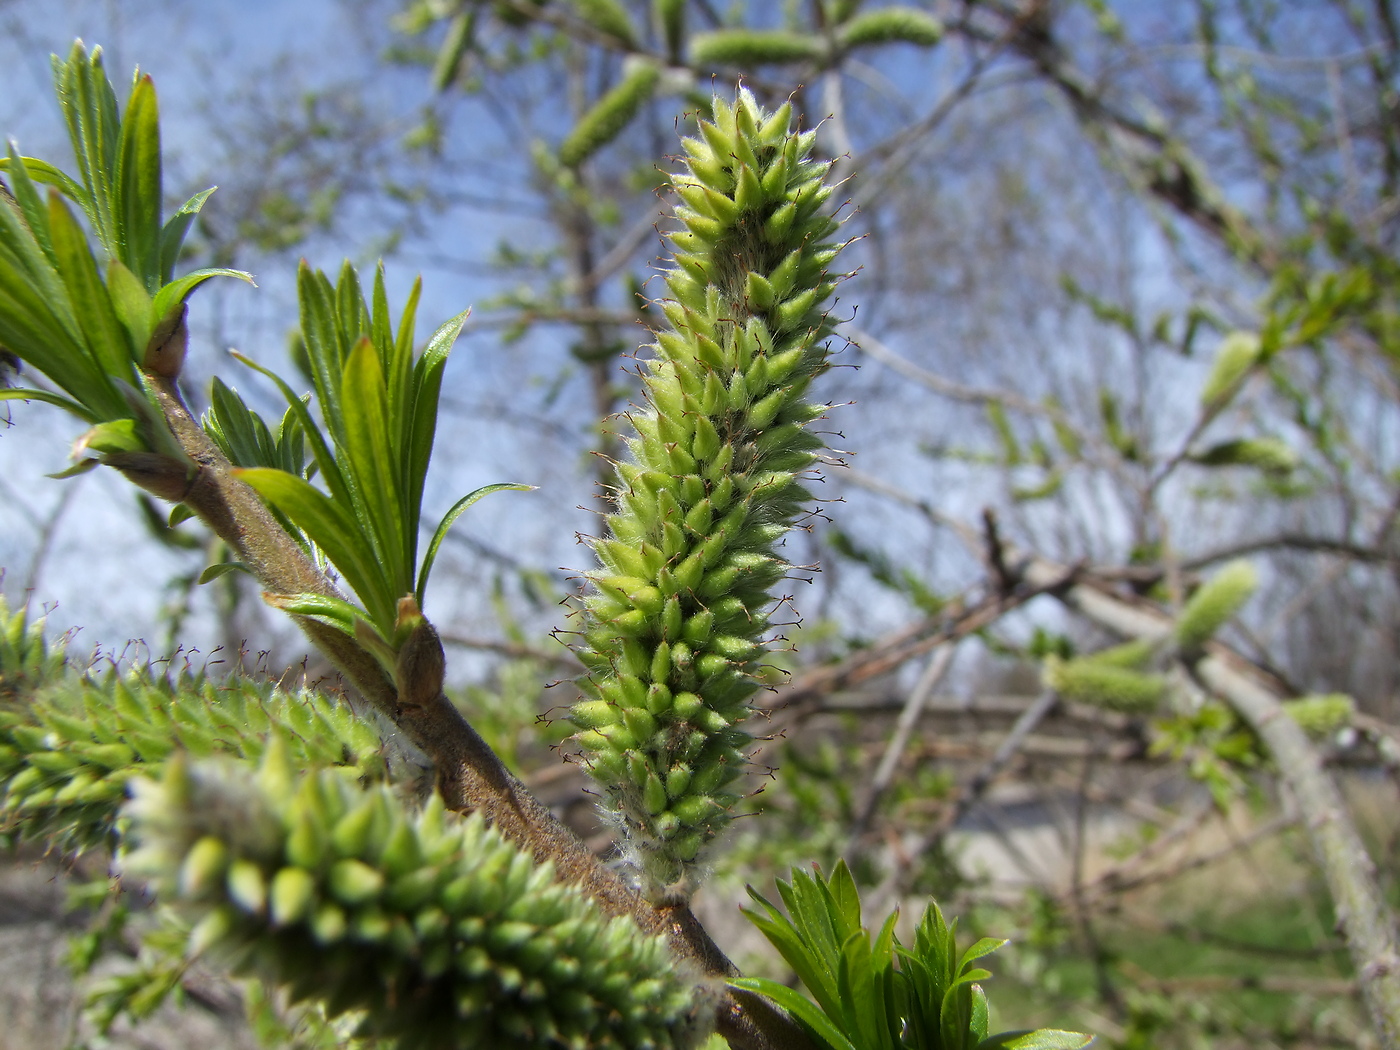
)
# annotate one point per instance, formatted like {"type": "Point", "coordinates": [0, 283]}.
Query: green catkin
{"type": "Point", "coordinates": [1116, 688]}
{"type": "Point", "coordinates": [1238, 353]}
{"type": "Point", "coordinates": [1323, 714]}
{"type": "Point", "coordinates": [1214, 603]}
{"type": "Point", "coordinates": [745, 48]}
{"type": "Point", "coordinates": [438, 930]}
{"type": "Point", "coordinates": [66, 757]}
{"type": "Point", "coordinates": [674, 620]}
{"type": "Point", "coordinates": [1270, 454]}
{"type": "Point", "coordinates": [610, 115]}
{"type": "Point", "coordinates": [607, 16]}
{"type": "Point", "coordinates": [670, 22]}
{"type": "Point", "coordinates": [1134, 655]}
{"type": "Point", "coordinates": [892, 25]}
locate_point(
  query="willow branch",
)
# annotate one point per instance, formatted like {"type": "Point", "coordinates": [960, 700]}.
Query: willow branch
{"type": "Point", "coordinates": [471, 777]}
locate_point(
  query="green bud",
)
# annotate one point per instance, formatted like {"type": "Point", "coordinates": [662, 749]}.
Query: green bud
{"type": "Point", "coordinates": [694, 809]}
{"type": "Point", "coordinates": [654, 794]}
{"type": "Point", "coordinates": [246, 886]}
{"type": "Point", "coordinates": [1238, 353]}
{"type": "Point", "coordinates": [204, 866]}
{"type": "Point", "coordinates": [677, 780]}
{"type": "Point", "coordinates": [659, 698]}
{"type": "Point", "coordinates": [687, 706]}
{"type": "Point", "coordinates": [593, 714]}
{"type": "Point", "coordinates": [670, 622]}
{"type": "Point", "coordinates": [328, 925]}
{"type": "Point", "coordinates": [351, 834]}
{"type": "Point", "coordinates": [293, 893]}
{"type": "Point", "coordinates": [640, 722]}
{"type": "Point", "coordinates": [697, 629]}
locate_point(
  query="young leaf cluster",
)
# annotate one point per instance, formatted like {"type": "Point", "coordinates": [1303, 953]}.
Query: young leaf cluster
{"type": "Point", "coordinates": [931, 1000]}
{"type": "Point", "coordinates": [379, 403]}
{"type": "Point", "coordinates": [439, 930]}
{"type": "Point", "coordinates": [675, 620]}
{"type": "Point", "coordinates": [96, 326]}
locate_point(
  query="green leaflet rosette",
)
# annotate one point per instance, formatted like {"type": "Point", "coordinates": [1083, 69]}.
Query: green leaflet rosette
{"type": "Point", "coordinates": [440, 931]}
{"type": "Point", "coordinates": [675, 618]}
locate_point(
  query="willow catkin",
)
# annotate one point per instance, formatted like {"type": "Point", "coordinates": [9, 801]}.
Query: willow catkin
{"type": "Point", "coordinates": [675, 618]}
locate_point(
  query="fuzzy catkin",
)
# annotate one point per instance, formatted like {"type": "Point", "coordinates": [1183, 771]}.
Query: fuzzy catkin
{"type": "Point", "coordinates": [675, 618]}
{"type": "Point", "coordinates": [440, 931]}
{"type": "Point", "coordinates": [66, 757]}
{"type": "Point", "coordinates": [1215, 602]}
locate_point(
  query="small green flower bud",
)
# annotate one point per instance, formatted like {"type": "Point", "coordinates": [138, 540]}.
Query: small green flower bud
{"type": "Point", "coordinates": [204, 866]}
{"type": "Point", "coordinates": [293, 893]}
{"type": "Point", "coordinates": [246, 886]}
{"type": "Point", "coordinates": [659, 699]}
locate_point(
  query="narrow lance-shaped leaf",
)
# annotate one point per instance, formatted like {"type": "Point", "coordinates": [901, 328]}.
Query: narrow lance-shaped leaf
{"type": "Point", "coordinates": [333, 529]}
{"type": "Point", "coordinates": [172, 234]}
{"type": "Point", "coordinates": [141, 184]}
{"type": "Point", "coordinates": [447, 522]}
{"type": "Point", "coordinates": [366, 456]}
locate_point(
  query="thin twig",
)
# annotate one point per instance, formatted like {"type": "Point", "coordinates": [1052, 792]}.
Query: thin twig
{"type": "Point", "coordinates": [933, 674]}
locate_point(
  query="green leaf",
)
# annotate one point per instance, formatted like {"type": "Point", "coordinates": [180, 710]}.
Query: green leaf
{"type": "Point", "coordinates": [118, 435]}
{"type": "Point", "coordinates": [172, 235]}
{"type": "Point", "coordinates": [814, 968]}
{"type": "Point", "coordinates": [104, 334]}
{"type": "Point", "coordinates": [1040, 1039]}
{"type": "Point", "coordinates": [169, 298]}
{"type": "Point", "coordinates": [426, 389]}
{"type": "Point", "coordinates": [814, 1020]}
{"type": "Point", "coordinates": [80, 467]}
{"type": "Point", "coordinates": [336, 481]}
{"type": "Point", "coordinates": [845, 897]}
{"type": "Point", "coordinates": [26, 234]}
{"type": "Point", "coordinates": [43, 171]}
{"type": "Point", "coordinates": [140, 189]}
{"type": "Point", "coordinates": [132, 304]}
{"type": "Point", "coordinates": [985, 946]}
{"type": "Point", "coordinates": [333, 612]}
{"type": "Point", "coordinates": [366, 455]}
{"type": "Point", "coordinates": [239, 432]}
{"type": "Point", "coordinates": [90, 109]}
{"type": "Point", "coordinates": [331, 527]}
{"type": "Point", "coordinates": [65, 403]}
{"type": "Point", "coordinates": [223, 568]}
{"type": "Point", "coordinates": [862, 1009]}
{"type": "Point", "coordinates": [447, 522]}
